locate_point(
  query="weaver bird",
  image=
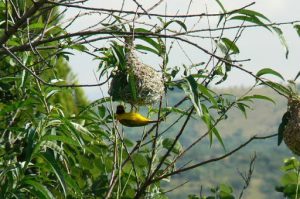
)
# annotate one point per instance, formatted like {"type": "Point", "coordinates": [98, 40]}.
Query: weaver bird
{"type": "Point", "coordinates": [132, 119]}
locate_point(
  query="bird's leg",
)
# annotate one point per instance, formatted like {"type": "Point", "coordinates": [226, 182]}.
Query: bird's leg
{"type": "Point", "coordinates": [133, 108]}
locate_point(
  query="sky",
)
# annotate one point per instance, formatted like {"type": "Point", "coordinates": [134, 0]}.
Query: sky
{"type": "Point", "coordinates": [261, 46]}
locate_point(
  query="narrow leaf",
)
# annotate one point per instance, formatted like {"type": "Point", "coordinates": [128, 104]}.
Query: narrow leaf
{"type": "Point", "coordinates": [252, 13]}
{"type": "Point", "coordinates": [221, 5]}
{"type": "Point", "coordinates": [64, 139]}
{"type": "Point", "coordinates": [151, 41]}
{"type": "Point", "coordinates": [78, 47]}
{"type": "Point", "coordinates": [242, 108]}
{"type": "Point", "coordinates": [169, 142]}
{"type": "Point", "coordinates": [37, 26]}
{"type": "Point", "coordinates": [56, 169]}
{"type": "Point", "coordinates": [251, 19]}
{"type": "Point", "coordinates": [133, 86]}
{"type": "Point", "coordinates": [146, 48]}
{"type": "Point", "coordinates": [30, 138]}
{"type": "Point", "coordinates": [217, 134]}
{"type": "Point", "coordinates": [282, 41]}
{"type": "Point", "coordinates": [205, 91]}
{"type": "Point", "coordinates": [296, 77]}
{"type": "Point", "coordinates": [256, 96]}
{"type": "Point", "coordinates": [265, 71]}
{"type": "Point", "coordinates": [175, 21]}
{"type": "Point", "coordinates": [297, 27]}
{"type": "Point", "coordinates": [278, 87]}
{"type": "Point", "coordinates": [230, 45]}
{"type": "Point", "coordinates": [44, 192]}
{"type": "Point", "coordinates": [194, 95]}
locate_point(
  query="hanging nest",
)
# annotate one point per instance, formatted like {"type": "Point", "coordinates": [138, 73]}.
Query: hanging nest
{"type": "Point", "coordinates": [148, 83]}
{"type": "Point", "coordinates": [291, 133]}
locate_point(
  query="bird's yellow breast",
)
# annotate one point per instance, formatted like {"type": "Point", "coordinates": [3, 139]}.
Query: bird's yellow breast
{"type": "Point", "coordinates": [132, 119]}
{"type": "Point", "coordinates": [132, 116]}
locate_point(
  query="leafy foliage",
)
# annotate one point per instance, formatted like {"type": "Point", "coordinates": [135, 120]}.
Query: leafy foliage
{"type": "Point", "coordinates": [54, 144]}
{"type": "Point", "coordinates": [290, 180]}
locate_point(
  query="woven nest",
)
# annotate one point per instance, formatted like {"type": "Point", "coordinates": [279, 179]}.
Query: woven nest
{"type": "Point", "coordinates": [149, 83]}
{"type": "Point", "coordinates": [291, 133]}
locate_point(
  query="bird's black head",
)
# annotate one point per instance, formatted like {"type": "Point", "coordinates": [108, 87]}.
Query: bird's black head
{"type": "Point", "coordinates": [120, 109]}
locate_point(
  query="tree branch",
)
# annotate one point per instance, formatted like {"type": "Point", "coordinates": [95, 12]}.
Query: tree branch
{"type": "Point", "coordinates": [46, 83]}
{"type": "Point", "coordinates": [255, 137]}
{"type": "Point", "coordinates": [150, 14]}
{"type": "Point", "coordinates": [12, 30]}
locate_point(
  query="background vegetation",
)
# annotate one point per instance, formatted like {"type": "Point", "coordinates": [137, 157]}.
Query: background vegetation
{"type": "Point", "coordinates": [56, 144]}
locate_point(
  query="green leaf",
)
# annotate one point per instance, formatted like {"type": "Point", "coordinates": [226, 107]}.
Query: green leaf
{"type": "Point", "coordinates": [61, 138]}
{"type": "Point", "coordinates": [73, 131]}
{"type": "Point", "coordinates": [175, 21]}
{"type": "Point", "coordinates": [146, 48]}
{"type": "Point", "coordinates": [217, 134]}
{"type": "Point", "coordinates": [291, 164]}
{"type": "Point", "coordinates": [289, 178]}
{"type": "Point", "coordinates": [133, 86]}
{"type": "Point", "coordinates": [251, 19]}
{"type": "Point", "coordinates": [226, 188]}
{"type": "Point", "coordinates": [37, 26]}
{"type": "Point", "coordinates": [193, 93]}
{"type": "Point", "coordinates": [119, 54]}
{"type": "Point", "coordinates": [95, 103]}
{"type": "Point", "coordinates": [252, 13]}
{"type": "Point", "coordinates": [51, 93]}
{"type": "Point", "coordinates": [78, 47]}
{"type": "Point", "coordinates": [140, 160]}
{"type": "Point", "coordinates": [72, 183]}
{"type": "Point", "coordinates": [141, 30]}
{"type": "Point", "coordinates": [242, 108]}
{"type": "Point", "coordinates": [56, 169]}
{"type": "Point", "coordinates": [40, 188]}
{"type": "Point", "coordinates": [205, 91]}
{"type": "Point", "coordinates": [101, 111]}
{"type": "Point", "coordinates": [278, 87]}
{"type": "Point", "coordinates": [169, 142]}
{"type": "Point", "coordinates": [222, 47]}
{"type": "Point", "coordinates": [128, 142]}
{"type": "Point", "coordinates": [230, 46]}
{"type": "Point", "coordinates": [265, 71]}
{"type": "Point", "coordinates": [282, 41]}
{"type": "Point", "coordinates": [12, 42]}
{"type": "Point", "coordinates": [30, 139]}
{"type": "Point", "coordinates": [221, 6]}
{"type": "Point", "coordinates": [256, 96]}
{"type": "Point", "coordinates": [296, 77]}
{"type": "Point", "coordinates": [208, 120]}
{"type": "Point", "coordinates": [151, 41]}
{"type": "Point", "coordinates": [297, 27]}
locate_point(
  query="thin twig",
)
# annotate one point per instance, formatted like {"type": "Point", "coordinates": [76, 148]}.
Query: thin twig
{"type": "Point", "coordinates": [247, 177]}
{"type": "Point", "coordinates": [46, 83]}
{"type": "Point", "coordinates": [255, 137]}
{"type": "Point", "coordinates": [140, 6]}
{"type": "Point", "coordinates": [150, 14]}
{"type": "Point", "coordinates": [12, 30]}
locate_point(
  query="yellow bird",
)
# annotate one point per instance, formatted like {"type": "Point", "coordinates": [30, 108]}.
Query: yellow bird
{"type": "Point", "coordinates": [132, 119]}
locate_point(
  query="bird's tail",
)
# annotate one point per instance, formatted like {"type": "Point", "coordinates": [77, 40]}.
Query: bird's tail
{"type": "Point", "coordinates": [156, 121]}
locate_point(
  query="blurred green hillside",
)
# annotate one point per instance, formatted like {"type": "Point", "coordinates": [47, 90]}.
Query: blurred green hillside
{"type": "Point", "coordinates": [262, 120]}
